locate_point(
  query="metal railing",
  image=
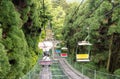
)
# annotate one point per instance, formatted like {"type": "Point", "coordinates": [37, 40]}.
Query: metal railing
{"type": "Point", "coordinates": [57, 72]}
{"type": "Point", "coordinates": [92, 74]}
{"type": "Point", "coordinates": [34, 73]}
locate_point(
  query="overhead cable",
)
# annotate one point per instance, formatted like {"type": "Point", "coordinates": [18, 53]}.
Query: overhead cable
{"type": "Point", "coordinates": [92, 11]}
{"type": "Point", "coordinates": [77, 8]}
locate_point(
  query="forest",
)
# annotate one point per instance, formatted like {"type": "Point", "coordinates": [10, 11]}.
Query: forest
{"type": "Point", "coordinates": [102, 19]}
{"type": "Point", "coordinates": [23, 24]}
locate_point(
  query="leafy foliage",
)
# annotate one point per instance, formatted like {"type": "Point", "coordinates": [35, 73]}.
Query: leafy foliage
{"type": "Point", "coordinates": [20, 28]}
{"type": "Point", "coordinates": [117, 72]}
{"type": "Point", "coordinates": [102, 17]}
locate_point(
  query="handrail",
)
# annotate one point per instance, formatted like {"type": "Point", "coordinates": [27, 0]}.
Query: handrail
{"type": "Point", "coordinates": [93, 74]}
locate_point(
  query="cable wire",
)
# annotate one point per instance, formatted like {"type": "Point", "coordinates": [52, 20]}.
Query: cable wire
{"type": "Point", "coordinates": [104, 15]}
{"type": "Point", "coordinates": [77, 8]}
{"type": "Point", "coordinates": [88, 15]}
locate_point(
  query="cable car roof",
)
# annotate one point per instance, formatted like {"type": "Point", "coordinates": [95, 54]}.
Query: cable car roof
{"type": "Point", "coordinates": [64, 48]}
{"type": "Point", "coordinates": [84, 43]}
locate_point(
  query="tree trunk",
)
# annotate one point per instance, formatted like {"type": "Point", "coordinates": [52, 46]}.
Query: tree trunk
{"type": "Point", "coordinates": [110, 52]}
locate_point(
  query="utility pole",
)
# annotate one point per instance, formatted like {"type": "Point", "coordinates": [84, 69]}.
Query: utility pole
{"type": "Point", "coordinates": [43, 14]}
{"type": "Point", "coordinates": [53, 50]}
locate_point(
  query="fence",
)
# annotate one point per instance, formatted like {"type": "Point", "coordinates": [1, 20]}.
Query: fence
{"type": "Point", "coordinates": [34, 73]}
{"type": "Point", "coordinates": [57, 72]}
{"type": "Point", "coordinates": [92, 74]}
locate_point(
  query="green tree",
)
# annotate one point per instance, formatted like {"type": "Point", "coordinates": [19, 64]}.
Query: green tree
{"type": "Point", "coordinates": [57, 21]}
{"type": "Point", "coordinates": [102, 19]}
{"type": "Point", "coordinates": [20, 27]}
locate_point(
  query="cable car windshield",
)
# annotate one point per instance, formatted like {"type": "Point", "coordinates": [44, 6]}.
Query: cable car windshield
{"type": "Point", "coordinates": [83, 51]}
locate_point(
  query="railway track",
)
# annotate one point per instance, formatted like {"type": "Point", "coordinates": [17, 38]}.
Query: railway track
{"type": "Point", "coordinates": [69, 71]}
{"type": "Point", "coordinates": [45, 73]}
{"type": "Point", "coordinates": [57, 72]}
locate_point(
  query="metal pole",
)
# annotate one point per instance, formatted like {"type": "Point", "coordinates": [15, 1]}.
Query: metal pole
{"type": "Point", "coordinates": [29, 76]}
{"type": "Point", "coordinates": [53, 48]}
{"type": "Point", "coordinates": [43, 14]}
{"type": "Point", "coordinates": [94, 74]}
{"type": "Point", "coordinates": [82, 70]}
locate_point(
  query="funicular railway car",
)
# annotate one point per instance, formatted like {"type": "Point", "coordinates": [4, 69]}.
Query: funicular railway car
{"type": "Point", "coordinates": [57, 51]}
{"type": "Point", "coordinates": [46, 60]}
{"type": "Point", "coordinates": [64, 51]}
{"type": "Point", "coordinates": [45, 46]}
